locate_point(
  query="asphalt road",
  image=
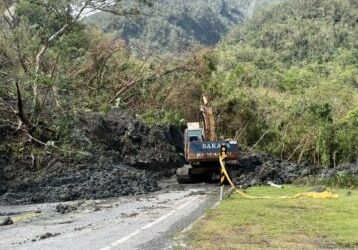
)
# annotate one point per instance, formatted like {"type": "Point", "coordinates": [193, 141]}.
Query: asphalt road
{"type": "Point", "coordinates": [139, 222]}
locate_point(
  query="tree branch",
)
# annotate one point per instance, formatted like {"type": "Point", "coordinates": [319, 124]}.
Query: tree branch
{"type": "Point", "coordinates": [149, 79]}
{"type": "Point", "coordinates": [262, 136]}
{"type": "Point", "coordinates": [55, 36]}
{"type": "Point", "coordinates": [9, 11]}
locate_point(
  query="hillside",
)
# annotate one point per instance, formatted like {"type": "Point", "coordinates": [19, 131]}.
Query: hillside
{"type": "Point", "coordinates": [174, 26]}
{"type": "Point", "coordinates": [296, 66]}
{"type": "Point", "coordinates": [282, 82]}
{"type": "Point", "coordinates": [95, 110]}
{"type": "Point", "coordinates": [285, 81]}
{"type": "Point", "coordinates": [302, 30]}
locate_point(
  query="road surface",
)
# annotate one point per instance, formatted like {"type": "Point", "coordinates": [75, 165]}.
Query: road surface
{"type": "Point", "coordinates": [139, 222]}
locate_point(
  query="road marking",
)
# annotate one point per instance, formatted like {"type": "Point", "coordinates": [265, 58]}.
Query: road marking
{"type": "Point", "coordinates": [149, 225]}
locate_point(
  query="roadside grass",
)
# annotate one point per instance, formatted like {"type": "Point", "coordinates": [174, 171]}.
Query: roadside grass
{"type": "Point", "coordinates": [302, 223]}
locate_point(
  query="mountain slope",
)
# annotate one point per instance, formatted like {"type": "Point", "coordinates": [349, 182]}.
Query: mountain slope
{"type": "Point", "coordinates": [285, 81]}
{"type": "Point", "coordinates": [176, 25]}
{"type": "Point", "coordinates": [301, 30]}
{"type": "Point", "coordinates": [295, 68]}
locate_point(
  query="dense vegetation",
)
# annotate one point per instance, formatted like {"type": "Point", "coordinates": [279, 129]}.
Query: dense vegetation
{"type": "Point", "coordinates": [285, 82]}
{"type": "Point", "coordinates": [298, 63]}
{"type": "Point", "coordinates": [53, 69]}
{"type": "Point", "coordinates": [175, 26]}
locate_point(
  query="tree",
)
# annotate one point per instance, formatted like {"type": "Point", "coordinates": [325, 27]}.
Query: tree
{"type": "Point", "coordinates": [31, 32]}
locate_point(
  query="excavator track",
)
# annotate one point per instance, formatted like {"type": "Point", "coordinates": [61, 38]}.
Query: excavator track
{"type": "Point", "coordinates": [184, 179]}
{"type": "Point", "coordinates": [184, 174]}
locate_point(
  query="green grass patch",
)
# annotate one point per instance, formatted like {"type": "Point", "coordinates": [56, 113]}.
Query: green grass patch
{"type": "Point", "coordinates": [302, 223]}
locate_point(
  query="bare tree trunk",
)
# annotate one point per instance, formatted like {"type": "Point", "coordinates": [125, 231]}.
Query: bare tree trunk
{"type": "Point", "coordinates": [39, 57]}
{"type": "Point", "coordinates": [57, 100]}
{"type": "Point", "coordinates": [20, 111]}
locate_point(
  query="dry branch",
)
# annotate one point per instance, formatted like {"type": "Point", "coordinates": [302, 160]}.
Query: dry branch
{"type": "Point", "coordinates": [149, 79]}
{"type": "Point", "coordinates": [300, 145]}
{"type": "Point", "coordinates": [261, 138]}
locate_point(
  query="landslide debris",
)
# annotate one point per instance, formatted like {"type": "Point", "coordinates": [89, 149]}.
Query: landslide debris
{"type": "Point", "coordinates": [48, 235]}
{"type": "Point", "coordinates": [4, 221]}
{"type": "Point", "coordinates": [260, 168]}
{"type": "Point", "coordinates": [65, 208]}
{"type": "Point", "coordinates": [115, 154]}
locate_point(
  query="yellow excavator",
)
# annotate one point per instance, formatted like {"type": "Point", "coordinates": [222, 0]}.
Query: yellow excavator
{"type": "Point", "coordinates": [201, 148]}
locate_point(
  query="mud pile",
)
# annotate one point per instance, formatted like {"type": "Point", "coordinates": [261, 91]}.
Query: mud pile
{"type": "Point", "coordinates": [350, 169]}
{"type": "Point", "coordinates": [112, 155]}
{"type": "Point", "coordinates": [131, 141]}
{"type": "Point", "coordinates": [258, 169]}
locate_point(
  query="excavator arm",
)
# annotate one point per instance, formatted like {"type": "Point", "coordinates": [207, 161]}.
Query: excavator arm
{"type": "Point", "coordinates": [207, 120]}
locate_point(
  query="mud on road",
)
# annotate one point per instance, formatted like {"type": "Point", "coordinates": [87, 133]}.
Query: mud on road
{"type": "Point", "coordinates": [135, 222]}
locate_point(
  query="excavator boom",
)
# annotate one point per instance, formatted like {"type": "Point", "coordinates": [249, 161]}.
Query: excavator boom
{"type": "Point", "coordinates": [207, 120]}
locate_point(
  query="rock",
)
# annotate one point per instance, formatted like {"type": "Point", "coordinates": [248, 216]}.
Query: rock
{"type": "Point", "coordinates": [127, 215]}
{"type": "Point", "coordinates": [96, 208]}
{"type": "Point", "coordinates": [318, 189]}
{"type": "Point", "coordinates": [4, 221]}
{"type": "Point", "coordinates": [48, 235]}
{"type": "Point", "coordinates": [65, 208]}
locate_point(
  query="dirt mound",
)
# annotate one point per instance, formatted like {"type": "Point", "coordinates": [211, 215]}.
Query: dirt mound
{"type": "Point", "coordinates": [65, 208]}
{"type": "Point", "coordinates": [116, 154]}
{"type": "Point", "coordinates": [134, 143]}
{"type": "Point", "coordinates": [258, 169]}
{"type": "Point", "coordinates": [89, 183]}
{"type": "Point", "coordinates": [342, 169]}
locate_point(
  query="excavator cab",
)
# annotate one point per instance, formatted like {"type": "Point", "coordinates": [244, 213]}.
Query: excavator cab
{"type": "Point", "coordinates": [195, 135]}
